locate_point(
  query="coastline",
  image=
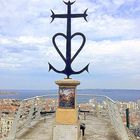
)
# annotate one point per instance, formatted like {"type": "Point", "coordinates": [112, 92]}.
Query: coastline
{"type": "Point", "coordinates": [116, 95]}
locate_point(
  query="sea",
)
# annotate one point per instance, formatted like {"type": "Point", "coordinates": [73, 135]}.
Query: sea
{"type": "Point", "coordinates": [83, 95]}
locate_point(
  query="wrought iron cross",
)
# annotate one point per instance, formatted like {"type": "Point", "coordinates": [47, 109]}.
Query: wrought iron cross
{"type": "Point", "coordinates": [69, 59]}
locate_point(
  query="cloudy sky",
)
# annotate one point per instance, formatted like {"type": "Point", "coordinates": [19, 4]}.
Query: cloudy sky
{"type": "Point", "coordinates": [112, 47]}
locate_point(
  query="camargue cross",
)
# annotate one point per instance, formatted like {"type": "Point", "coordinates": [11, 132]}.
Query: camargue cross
{"type": "Point", "coordinates": [69, 59]}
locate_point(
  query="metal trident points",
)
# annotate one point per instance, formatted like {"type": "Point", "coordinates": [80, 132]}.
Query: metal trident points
{"type": "Point", "coordinates": [69, 59]}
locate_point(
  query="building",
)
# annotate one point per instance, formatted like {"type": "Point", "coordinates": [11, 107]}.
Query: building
{"type": "Point", "coordinates": [5, 124]}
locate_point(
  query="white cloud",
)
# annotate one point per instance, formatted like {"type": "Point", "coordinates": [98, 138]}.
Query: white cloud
{"type": "Point", "coordinates": [29, 40]}
{"type": "Point", "coordinates": [112, 30]}
{"type": "Point", "coordinates": [118, 55]}
{"type": "Point", "coordinates": [4, 41]}
{"type": "Point", "coordinates": [32, 40]}
{"type": "Point", "coordinates": [115, 55]}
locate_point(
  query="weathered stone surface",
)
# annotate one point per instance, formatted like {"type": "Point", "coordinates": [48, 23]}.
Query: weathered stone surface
{"type": "Point", "coordinates": [66, 132]}
{"type": "Point", "coordinates": [97, 128]}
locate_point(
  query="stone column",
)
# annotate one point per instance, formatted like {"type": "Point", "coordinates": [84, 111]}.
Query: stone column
{"type": "Point", "coordinates": [67, 126]}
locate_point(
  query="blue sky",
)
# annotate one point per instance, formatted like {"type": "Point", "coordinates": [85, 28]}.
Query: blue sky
{"type": "Point", "coordinates": [112, 47]}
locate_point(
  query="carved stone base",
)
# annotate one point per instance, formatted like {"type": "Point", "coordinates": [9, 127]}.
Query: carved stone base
{"type": "Point", "coordinates": [66, 132]}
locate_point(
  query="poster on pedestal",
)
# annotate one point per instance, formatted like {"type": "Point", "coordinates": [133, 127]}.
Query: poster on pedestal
{"type": "Point", "coordinates": [67, 98]}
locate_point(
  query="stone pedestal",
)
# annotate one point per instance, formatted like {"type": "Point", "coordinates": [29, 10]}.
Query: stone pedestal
{"type": "Point", "coordinates": [67, 125]}
{"type": "Point", "coordinates": [66, 132]}
{"type": "Point", "coordinates": [66, 116]}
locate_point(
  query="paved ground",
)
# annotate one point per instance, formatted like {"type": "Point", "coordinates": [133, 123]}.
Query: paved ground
{"type": "Point", "coordinates": [97, 128]}
{"type": "Point", "coordinates": [40, 131]}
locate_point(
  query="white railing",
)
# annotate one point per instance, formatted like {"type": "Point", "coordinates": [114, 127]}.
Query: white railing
{"type": "Point", "coordinates": [113, 113]}
{"type": "Point", "coordinates": [30, 110]}
{"type": "Point", "coordinates": [116, 119]}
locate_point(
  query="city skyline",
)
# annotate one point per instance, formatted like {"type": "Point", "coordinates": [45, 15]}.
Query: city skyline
{"type": "Point", "coordinates": [112, 46]}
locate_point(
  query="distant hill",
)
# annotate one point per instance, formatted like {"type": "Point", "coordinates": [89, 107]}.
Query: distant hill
{"type": "Point", "coordinates": [6, 92]}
